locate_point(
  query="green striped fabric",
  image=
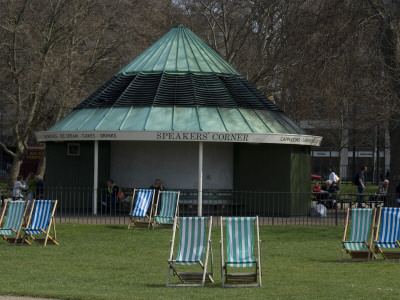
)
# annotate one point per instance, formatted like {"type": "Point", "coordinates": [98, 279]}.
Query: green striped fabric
{"type": "Point", "coordinates": [164, 220]}
{"type": "Point", "coordinates": [360, 228]}
{"type": "Point", "coordinates": [168, 206]}
{"type": "Point", "coordinates": [15, 214]}
{"type": "Point", "coordinates": [240, 239]}
{"type": "Point", "coordinates": [192, 240]}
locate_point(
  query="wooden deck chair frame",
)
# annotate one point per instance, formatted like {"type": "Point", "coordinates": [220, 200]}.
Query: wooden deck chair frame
{"type": "Point", "coordinates": [140, 223]}
{"type": "Point", "coordinates": [17, 231]}
{"type": "Point", "coordinates": [45, 231]}
{"type": "Point", "coordinates": [176, 210]}
{"type": "Point", "coordinates": [238, 277]}
{"type": "Point", "coordinates": [386, 254]}
{"type": "Point", "coordinates": [191, 276]}
{"type": "Point", "coordinates": [361, 254]}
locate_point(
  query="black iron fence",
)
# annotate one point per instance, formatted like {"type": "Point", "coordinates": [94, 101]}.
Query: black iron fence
{"type": "Point", "coordinates": [76, 204]}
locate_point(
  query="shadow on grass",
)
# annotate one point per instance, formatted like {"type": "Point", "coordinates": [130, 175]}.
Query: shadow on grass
{"type": "Point", "coordinates": [121, 227]}
{"type": "Point", "coordinates": [155, 285]}
{"type": "Point", "coordinates": [207, 285]}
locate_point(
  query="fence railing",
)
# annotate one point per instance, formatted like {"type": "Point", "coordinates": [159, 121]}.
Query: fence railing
{"type": "Point", "coordinates": [76, 204]}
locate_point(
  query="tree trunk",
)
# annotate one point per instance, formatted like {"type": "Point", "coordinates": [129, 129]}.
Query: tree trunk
{"type": "Point", "coordinates": [41, 169]}
{"type": "Point", "coordinates": [394, 133]}
{"type": "Point", "coordinates": [17, 161]}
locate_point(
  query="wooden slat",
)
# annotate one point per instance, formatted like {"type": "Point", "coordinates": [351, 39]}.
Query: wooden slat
{"type": "Point", "coordinates": [391, 254]}
{"type": "Point", "coordinates": [193, 276]}
{"type": "Point", "coordinates": [241, 277]}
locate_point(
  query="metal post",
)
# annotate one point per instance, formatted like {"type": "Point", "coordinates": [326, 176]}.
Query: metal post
{"type": "Point", "coordinates": [200, 192]}
{"type": "Point", "coordinates": [95, 176]}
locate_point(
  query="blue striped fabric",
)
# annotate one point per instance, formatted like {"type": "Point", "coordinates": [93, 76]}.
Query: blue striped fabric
{"type": "Point", "coordinates": [41, 217]}
{"type": "Point", "coordinates": [15, 213]}
{"type": "Point", "coordinates": [192, 240]}
{"type": "Point", "coordinates": [360, 229]}
{"type": "Point", "coordinates": [240, 240]}
{"type": "Point", "coordinates": [142, 202]}
{"type": "Point", "coordinates": [390, 228]}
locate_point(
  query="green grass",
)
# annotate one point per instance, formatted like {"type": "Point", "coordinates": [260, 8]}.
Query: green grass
{"type": "Point", "coordinates": [351, 188]}
{"type": "Point", "coordinates": [110, 262]}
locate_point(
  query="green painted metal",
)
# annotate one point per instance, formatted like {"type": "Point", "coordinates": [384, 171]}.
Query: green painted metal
{"type": "Point", "coordinates": [73, 175]}
{"type": "Point", "coordinates": [281, 170]}
{"type": "Point", "coordinates": [171, 118]}
{"type": "Point", "coordinates": [179, 51]}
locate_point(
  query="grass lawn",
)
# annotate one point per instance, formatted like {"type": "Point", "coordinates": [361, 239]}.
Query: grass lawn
{"type": "Point", "coordinates": [110, 262]}
{"type": "Point", "coordinates": [350, 188]}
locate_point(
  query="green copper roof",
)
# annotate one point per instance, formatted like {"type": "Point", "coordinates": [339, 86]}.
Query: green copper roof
{"type": "Point", "coordinates": [179, 51]}
{"type": "Point", "coordinates": [209, 119]}
{"type": "Point", "coordinates": [178, 85]}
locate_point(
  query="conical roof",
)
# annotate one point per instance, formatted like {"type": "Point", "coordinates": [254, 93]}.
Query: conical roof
{"type": "Point", "coordinates": [178, 85]}
{"type": "Point", "coordinates": [179, 51]}
{"type": "Point", "coordinates": [179, 70]}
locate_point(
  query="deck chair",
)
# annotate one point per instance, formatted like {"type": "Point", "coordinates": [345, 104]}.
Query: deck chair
{"type": "Point", "coordinates": [389, 224]}
{"type": "Point", "coordinates": [192, 243]}
{"type": "Point", "coordinates": [239, 252]}
{"type": "Point", "coordinates": [139, 208]}
{"type": "Point", "coordinates": [41, 221]}
{"type": "Point", "coordinates": [169, 208]}
{"type": "Point", "coordinates": [13, 224]}
{"type": "Point", "coordinates": [358, 245]}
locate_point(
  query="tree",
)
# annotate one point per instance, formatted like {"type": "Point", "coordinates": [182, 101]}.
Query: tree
{"type": "Point", "coordinates": [53, 53]}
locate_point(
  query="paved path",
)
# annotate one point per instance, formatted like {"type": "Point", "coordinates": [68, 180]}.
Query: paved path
{"type": "Point", "coordinates": [23, 298]}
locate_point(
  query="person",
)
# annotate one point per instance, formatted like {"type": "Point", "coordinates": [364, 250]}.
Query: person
{"type": "Point", "coordinates": [387, 174]}
{"type": "Point", "coordinates": [111, 197]}
{"type": "Point", "coordinates": [317, 190]}
{"type": "Point", "coordinates": [31, 183]}
{"type": "Point", "coordinates": [382, 192]}
{"type": "Point", "coordinates": [361, 186]}
{"type": "Point", "coordinates": [331, 188]}
{"type": "Point", "coordinates": [332, 176]}
{"type": "Point", "coordinates": [39, 187]}
{"type": "Point", "coordinates": [398, 194]}
{"type": "Point", "coordinates": [383, 188]}
{"type": "Point", "coordinates": [157, 187]}
{"type": "Point", "coordinates": [19, 188]}
{"type": "Point", "coordinates": [316, 187]}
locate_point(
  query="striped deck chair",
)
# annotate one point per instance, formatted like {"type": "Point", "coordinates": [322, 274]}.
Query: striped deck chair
{"type": "Point", "coordinates": [192, 243]}
{"type": "Point", "coordinates": [239, 252]}
{"type": "Point", "coordinates": [13, 224]}
{"type": "Point", "coordinates": [41, 221]}
{"type": "Point", "coordinates": [358, 245]}
{"type": "Point", "coordinates": [389, 224]}
{"type": "Point", "coordinates": [139, 208]}
{"type": "Point", "coordinates": [169, 208]}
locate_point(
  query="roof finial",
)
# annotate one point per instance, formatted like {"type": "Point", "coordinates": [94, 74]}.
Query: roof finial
{"type": "Point", "coordinates": [180, 26]}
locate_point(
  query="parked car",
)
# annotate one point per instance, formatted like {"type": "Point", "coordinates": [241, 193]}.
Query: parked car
{"type": "Point", "coordinates": [316, 177]}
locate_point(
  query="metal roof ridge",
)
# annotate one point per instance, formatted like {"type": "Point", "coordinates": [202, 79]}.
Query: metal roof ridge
{"type": "Point", "coordinates": [148, 117]}
{"type": "Point", "coordinates": [169, 46]}
{"type": "Point", "coordinates": [183, 39]}
{"type": "Point", "coordinates": [87, 119]}
{"type": "Point", "coordinates": [200, 52]}
{"type": "Point", "coordinates": [265, 124]}
{"type": "Point", "coordinates": [101, 121]}
{"type": "Point", "coordinates": [248, 124]}
{"type": "Point", "coordinates": [136, 62]}
{"type": "Point", "coordinates": [126, 116]}
{"type": "Point", "coordinates": [215, 56]}
{"type": "Point", "coordinates": [222, 119]}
